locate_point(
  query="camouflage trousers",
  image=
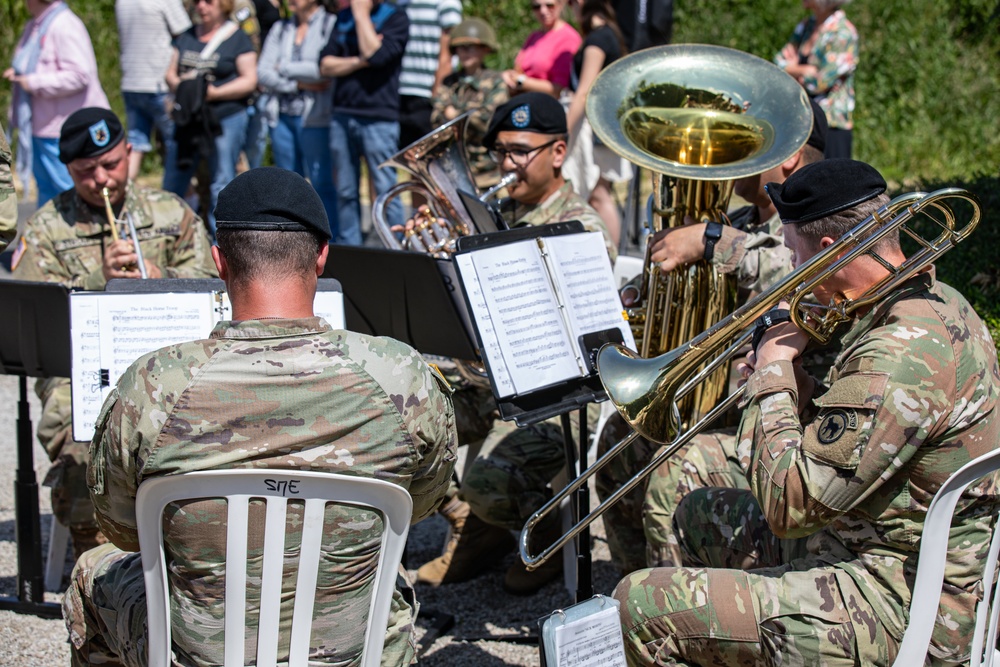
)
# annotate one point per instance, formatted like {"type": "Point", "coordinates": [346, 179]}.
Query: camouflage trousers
{"type": "Point", "coordinates": [71, 504]}
{"type": "Point", "coordinates": [796, 607]}
{"type": "Point", "coordinates": [105, 613]}
{"type": "Point", "coordinates": [511, 475]}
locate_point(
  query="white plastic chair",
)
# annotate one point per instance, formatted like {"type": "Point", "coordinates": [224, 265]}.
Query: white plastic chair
{"type": "Point", "coordinates": [277, 487]}
{"type": "Point", "coordinates": [930, 574]}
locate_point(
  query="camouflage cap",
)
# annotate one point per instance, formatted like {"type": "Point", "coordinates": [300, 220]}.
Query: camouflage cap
{"type": "Point", "coordinates": [89, 132]}
{"type": "Point", "coordinates": [473, 32]}
{"type": "Point", "coordinates": [271, 199]}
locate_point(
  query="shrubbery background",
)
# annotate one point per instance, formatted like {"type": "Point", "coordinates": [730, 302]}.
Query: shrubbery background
{"type": "Point", "coordinates": [928, 91]}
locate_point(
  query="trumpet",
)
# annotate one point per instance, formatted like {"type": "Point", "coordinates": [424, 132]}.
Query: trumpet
{"type": "Point", "coordinates": [113, 222]}
{"type": "Point", "coordinates": [646, 392]}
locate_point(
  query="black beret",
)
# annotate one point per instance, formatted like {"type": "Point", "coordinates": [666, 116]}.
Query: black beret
{"type": "Point", "coordinates": [817, 138]}
{"type": "Point", "coordinates": [89, 132]}
{"type": "Point", "coordinates": [824, 188]}
{"type": "Point", "coordinates": [270, 199]}
{"type": "Point", "coordinates": [527, 112]}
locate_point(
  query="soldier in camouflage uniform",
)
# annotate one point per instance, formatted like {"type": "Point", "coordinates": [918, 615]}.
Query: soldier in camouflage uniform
{"type": "Point", "coordinates": [510, 477]}
{"type": "Point", "coordinates": [840, 477]}
{"type": "Point", "coordinates": [306, 397]}
{"type": "Point", "coordinates": [8, 198]}
{"type": "Point", "coordinates": [639, 525]}
{"type": "Point", "coordinates": [473, 87]}
{"type": "Point", "coordinates": [69, 241]}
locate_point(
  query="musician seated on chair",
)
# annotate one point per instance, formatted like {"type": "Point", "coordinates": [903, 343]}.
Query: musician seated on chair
{"type": "Point", "coordinates": [811, 558]}
{"type": "Point", "coordinates": [510, 477]}
{"type": "Point", "coordinates": [274, 388]}
{"type": "Point", "coordinates": [69, 240]}
{"type": "Point", "coordinates": [751, 249]}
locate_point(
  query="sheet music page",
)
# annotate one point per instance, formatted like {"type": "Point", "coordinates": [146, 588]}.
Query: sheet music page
{"type": "Point", "coordinates": [330, 306]}
{"type": "Point", "coordinates": [592, 641]}
{"type": "Point", "coordinates": [112, 330]}
{"type": "Point", "coordinates": [134, 324]}
{"type": "Point", "coordinates": [491, 345]}
{"type": "Point", "coordinates": [85, 375]}
{"type": "Point", "coordinates": [529, 328]}
{"type": "Point", "coordinates": [586, 282]}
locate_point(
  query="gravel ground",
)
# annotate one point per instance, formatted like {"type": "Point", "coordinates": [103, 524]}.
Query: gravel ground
{"type": "Point", "coordinates": [481, 608]}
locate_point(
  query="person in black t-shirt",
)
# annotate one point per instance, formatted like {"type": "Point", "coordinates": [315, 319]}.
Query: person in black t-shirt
{"type": "Point", "coordinates": [365, 56]}
{"type": "Point", "coordinates": [593, 167]}
{"type": "Point", "coordinates": [231, 71]}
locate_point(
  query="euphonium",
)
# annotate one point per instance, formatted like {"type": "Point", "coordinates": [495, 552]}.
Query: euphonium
{"type": "Point", "coordinates": [441, 169]}
{"type": "Point", "coordinates": [699, 117]}
{"type": "Point", "coordinates": [116, 235]}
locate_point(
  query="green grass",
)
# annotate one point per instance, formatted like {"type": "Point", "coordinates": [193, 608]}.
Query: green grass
{"type": "Point", "coordinates": [928, 87]}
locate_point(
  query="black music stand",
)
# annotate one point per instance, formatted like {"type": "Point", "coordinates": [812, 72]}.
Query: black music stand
{"type": "Point", "coordinates": [408, 296]}
{"type": "Point", "coordinates": [558, 400]}
{"type": "Point", "coordinates": [34, 341]}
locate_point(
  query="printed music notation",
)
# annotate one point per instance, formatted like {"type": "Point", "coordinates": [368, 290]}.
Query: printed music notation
{"type": "Point", "coordinates": [591, 641]}
{"type": "Point", "coordinates": [533, 299]}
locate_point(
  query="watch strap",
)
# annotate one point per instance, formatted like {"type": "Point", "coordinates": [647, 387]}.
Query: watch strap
{"type": "Point", "coordinates": [713, 232]}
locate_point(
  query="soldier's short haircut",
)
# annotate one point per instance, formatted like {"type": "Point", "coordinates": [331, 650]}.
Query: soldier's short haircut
{"type": "Point", "coordinates": [838, 224]}
{"type": "Point", "coordinates": [262, 255]}
{"type": "Point", "coordinates": [811, 154]}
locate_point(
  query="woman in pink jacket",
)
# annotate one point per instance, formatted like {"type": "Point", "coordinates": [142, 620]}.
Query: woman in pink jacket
{"type": "Point", "coordinates": [54, 73]}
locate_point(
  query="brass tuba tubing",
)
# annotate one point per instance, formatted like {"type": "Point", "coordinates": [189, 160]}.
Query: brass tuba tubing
{"type": "Point", "coordinates": [646, 391]}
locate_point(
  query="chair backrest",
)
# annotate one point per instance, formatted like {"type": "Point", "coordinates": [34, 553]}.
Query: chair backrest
{"type": "Point", "coordinates": [276, 487]}
{"type": "Point", "coordinates": [930, 573]}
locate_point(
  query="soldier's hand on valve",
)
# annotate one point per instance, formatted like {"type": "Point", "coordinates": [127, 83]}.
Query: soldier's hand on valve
{"type": "Point", "coordinates": [678, 246]}
{"type": "Point", "coordinates": [120, 261]}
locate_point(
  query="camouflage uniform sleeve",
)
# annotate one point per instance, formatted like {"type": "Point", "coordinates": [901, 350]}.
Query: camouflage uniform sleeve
{"type": "Point", "coordinates": [126, 433]}
{"type": "Point", "coordinates": [39, 261]}
{"type": "Point", "coordinates": [430, 421]}
{"type": "Point", "coordinates": [8, 199]}
{"type": "Point", "coordinates": [192, 254]}
{"type": "Point", "coordinates": [494, 92]}
{"type": "Point", "coordinates": [445, 97]}
{"type": "Point", "coordinates": [758, 259]}
{"type": "Point", "coordinates": [868, 424]}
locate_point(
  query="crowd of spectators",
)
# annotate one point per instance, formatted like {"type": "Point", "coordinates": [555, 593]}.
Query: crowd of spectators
{"type": "Point", "coordinates": [332, 84]}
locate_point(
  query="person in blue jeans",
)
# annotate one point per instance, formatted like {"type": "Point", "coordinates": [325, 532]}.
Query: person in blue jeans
{"type": "Point", "coordinates": [231, 69]}
{"type": "Point", "coordinates": [299, 99]}
{"type": "Point", "coordinates": [364, 55]}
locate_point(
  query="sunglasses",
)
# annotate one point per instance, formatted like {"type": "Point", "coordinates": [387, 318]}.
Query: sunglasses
{"type": "Point", "coordinates": [537, 6]}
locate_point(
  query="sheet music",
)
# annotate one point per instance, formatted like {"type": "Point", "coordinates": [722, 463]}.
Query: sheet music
{"type": "Point", "coordinates": [587, 284]}
{"type": "Point", "coordinates": [88, 394]}
{"type": "Point", "coordinates": [591, 641]}
{"type": "Point", "coordinates": [330, 306]}
{"type": "Point", "coordinates": [491, 345]}
{"type": "Point", "coordinates": [530, 330]}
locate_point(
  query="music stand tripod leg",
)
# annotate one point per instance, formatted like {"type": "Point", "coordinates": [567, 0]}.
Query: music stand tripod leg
{"type": "Point", "coordinates": [30, 580]}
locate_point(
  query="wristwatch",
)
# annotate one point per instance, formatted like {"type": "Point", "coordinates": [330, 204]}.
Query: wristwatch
{"type": "Point", "coordinates": [520, 81]}
{"type": "Point", "coordinates": [713, 232]}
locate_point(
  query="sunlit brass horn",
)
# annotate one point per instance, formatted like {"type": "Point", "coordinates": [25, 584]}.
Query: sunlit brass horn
{"type": "Point", "coordinates": [646, 391]}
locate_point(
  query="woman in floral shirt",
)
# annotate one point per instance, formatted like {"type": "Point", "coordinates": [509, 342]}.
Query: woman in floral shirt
{"type": "Point", "coordinates": [822, 55]}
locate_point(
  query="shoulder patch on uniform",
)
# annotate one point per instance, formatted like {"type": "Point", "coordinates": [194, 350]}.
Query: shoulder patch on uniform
{"type": "Point", "coordinates": [835, 424]}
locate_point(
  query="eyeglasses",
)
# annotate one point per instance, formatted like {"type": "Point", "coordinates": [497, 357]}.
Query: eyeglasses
{"type": "Point", "coordinates": [537, 6]}
{"type": "Point", "coordinates": [519, 156]}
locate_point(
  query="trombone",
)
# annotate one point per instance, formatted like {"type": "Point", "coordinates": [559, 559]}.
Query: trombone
{"type": "Point", "coordinates": [646, 391]}
{"type": "Point", "coordinates": [116, 235]}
